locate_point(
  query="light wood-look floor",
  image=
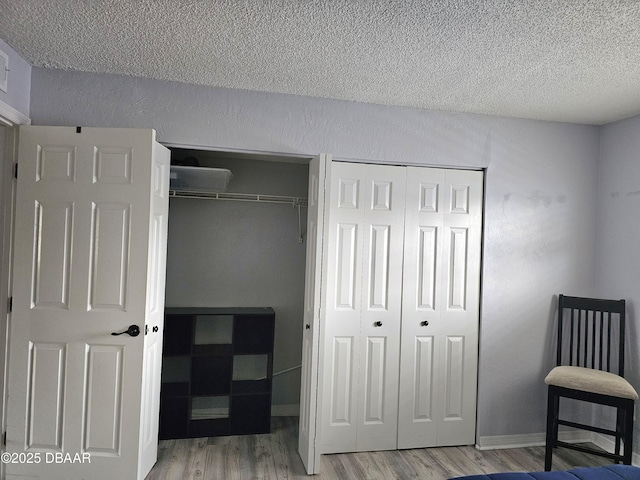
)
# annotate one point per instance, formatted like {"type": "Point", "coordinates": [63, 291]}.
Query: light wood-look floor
{"type": "Point", "coordinates": [274, 457]}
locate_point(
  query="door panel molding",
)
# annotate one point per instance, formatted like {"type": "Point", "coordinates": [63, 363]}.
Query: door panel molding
{"type": "Point", "coordinates": [109, 264]}
{"type": "Point", "coordinates": [103, 400]}
{"type": "Point", "coordinates": [423, 389]}
{"type": "Point", "coordinates": [46, 395]}
{"type": "Point", "coordinates": [52, 255]}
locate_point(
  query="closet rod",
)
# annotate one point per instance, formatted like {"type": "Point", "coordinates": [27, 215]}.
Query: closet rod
{"type": "Point", "coordinates": [242, 197]}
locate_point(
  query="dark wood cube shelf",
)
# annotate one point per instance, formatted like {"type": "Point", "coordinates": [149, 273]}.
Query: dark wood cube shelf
{"type": "Point", "coordinates": [217, 371]}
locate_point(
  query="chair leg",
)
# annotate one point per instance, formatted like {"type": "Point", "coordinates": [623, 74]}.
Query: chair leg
{"type": "Point", "coordinates": [620, 428]}
{"type": "Point", "coordinates": [628, 432]}
{"type": "Point", "coordinates": [553, 404]}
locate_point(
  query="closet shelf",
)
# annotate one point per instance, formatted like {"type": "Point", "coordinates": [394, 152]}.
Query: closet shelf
{"type": "Point", "coordinates": [243, 197]}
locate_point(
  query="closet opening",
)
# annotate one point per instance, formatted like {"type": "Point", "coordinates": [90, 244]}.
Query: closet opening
{"type": "Point", "coordinates": [241, 245]}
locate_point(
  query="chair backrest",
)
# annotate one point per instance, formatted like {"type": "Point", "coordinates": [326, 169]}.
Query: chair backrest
{"type": "Point", "coordinates": [591, 333]}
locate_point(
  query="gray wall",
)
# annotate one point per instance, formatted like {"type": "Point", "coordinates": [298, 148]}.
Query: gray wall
{"type": "Point", "coordinates": [619, 232]}
{"type": "Point", "coordinates": [540, 196]}
{"type": "Point", "coordinates": [18, 81]}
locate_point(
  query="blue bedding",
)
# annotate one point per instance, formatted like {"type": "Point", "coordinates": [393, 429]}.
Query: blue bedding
{"type": "Point", "coordinates": [608, 472]}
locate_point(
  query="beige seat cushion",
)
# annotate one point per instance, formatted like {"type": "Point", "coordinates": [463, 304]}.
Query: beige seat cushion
{"type": "Point", "coordinates": [588, 380]}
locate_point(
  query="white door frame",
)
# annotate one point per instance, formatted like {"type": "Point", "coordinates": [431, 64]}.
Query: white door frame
{"type": "Point", "coordinates": [10, 119]}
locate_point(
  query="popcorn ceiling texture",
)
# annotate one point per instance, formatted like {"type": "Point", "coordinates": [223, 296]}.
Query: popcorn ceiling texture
{"type": "Point", "coordinates": [564, 60]}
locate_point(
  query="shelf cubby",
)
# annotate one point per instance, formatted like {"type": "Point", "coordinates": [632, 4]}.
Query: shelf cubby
{"type": "Point", "coordinates": [217, 372]}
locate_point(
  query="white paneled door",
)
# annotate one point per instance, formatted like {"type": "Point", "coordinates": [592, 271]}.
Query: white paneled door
{"type": "Point", "coordinates": [362, 308]}
{"type": "Point", "coordinates": [399, 309]}
{"type": "Point", "coordinates": [90, 247]}
{"type": "Point", "coordinates": [380, 320]}
{"type": "Point", "coordinates": [441, 303]}
{"type": "Point", "coordinates": [311, 332]}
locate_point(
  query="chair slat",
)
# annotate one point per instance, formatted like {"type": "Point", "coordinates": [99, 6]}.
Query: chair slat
{"type": "Point", "coordinates": [601, 340]}
{"type": "Point", "coordinates": [593, 339]}
{"type": "Point", "coordinates": [608, 353]}
{"type": "Point", "coordinates": [582, 338]}
{"type": "Point", "coordinates": [621, 347]}
{"type": "Point", "coordinates": [571, 337]}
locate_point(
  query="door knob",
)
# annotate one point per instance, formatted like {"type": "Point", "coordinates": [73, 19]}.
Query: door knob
{"type": "Point", "coordinates": [307, 326]}
{"type": "Point", "coordinates": [377, 324]}
{"type": "Point", "coordinates": [424, 323]}
{"type": "Point", "coordinates": [133, 330]}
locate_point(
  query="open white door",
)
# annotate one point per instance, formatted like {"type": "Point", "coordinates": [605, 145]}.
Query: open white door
{"type": "Point", "coordinates": [90, 247]}
{"type": "Point", "coordinates": [307, 448]}
{"type": "Point", "coordinates": [8, 137]}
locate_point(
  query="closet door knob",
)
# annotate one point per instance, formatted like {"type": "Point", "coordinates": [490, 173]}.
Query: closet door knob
{"type": "Point", "coordinates": [377, 324]}
{"type": "Point", "coordinates": [307, 326]}
{"type": "Point", "coordinates": [424, 323]}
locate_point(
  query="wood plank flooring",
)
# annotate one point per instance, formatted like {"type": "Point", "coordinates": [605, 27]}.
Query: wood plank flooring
{"type": "Point", "coordinates": [274, 457]}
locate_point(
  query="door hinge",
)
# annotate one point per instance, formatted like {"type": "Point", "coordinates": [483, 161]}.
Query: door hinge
{"type": "Point", "coordinates": [4, 439]}
{"type": "Point", "coordinates": [15, 170]}
{"type": "Point", "coordinates": [10, 304]}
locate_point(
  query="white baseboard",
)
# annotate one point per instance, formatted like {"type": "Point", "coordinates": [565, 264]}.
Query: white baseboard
{"type": "Point", "coordinates": [606, 443]}
{"type": "Point", "coordinates": [496, 442]}
{"type": "Point", "coordinates": [292, 410]}
{"type": "Point", "coordinates": [538, 439]}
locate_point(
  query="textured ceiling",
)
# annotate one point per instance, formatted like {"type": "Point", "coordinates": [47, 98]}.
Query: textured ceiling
{"type": "Point", "coordinates": [566, 60]}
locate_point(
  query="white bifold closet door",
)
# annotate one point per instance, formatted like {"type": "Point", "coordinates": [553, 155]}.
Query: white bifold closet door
{"type": "Point", "coordinates": [398, 345]}
{"type": "Point", "coordinates": [359, 353]}
{"type": "Point", "coordinates": [440, 308]}
{"type": "Point", "coordinates": [311, 333]}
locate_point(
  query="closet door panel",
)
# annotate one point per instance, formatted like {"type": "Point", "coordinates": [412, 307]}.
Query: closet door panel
{"type": "Point", "coordinates": [462, 229]}
{"type": "Point", "coordinates": [308, 427]}
{"type": "Point", "coordinates": [427, 250]}
{"type": "Point", "coordinates": [374, 386]}
{"type": "Point", "coordinates": [453, 378]}
{"type": "Point", "coordinates": [340, 338]}
{"type": "Point", "coordinates": [342, 382]}
{"type": "Point", "coordinates": [346, 264]}
{"type": "Point", "coordinates": [423, 391]}
{"type": "Point", "coordinates": [379, 267]}
{"type": "Point", "coordinates": [421, 305]}
{"type": "Point", "coordinates": [457, 266]}
{"type": "Point", "coordinates": [381, 307]}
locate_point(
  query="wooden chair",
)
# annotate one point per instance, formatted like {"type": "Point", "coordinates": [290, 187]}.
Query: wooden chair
{"type": "Point", "coordinates": [590, 367]}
